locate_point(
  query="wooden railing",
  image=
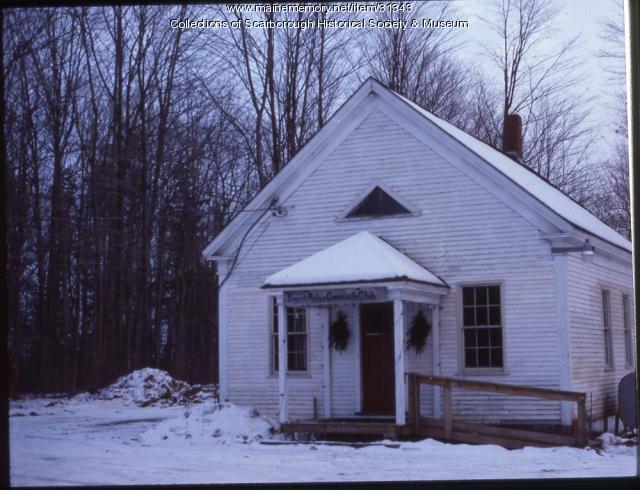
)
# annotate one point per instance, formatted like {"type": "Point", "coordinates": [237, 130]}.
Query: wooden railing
{"type": "Point", "coordinates": [447, 427]}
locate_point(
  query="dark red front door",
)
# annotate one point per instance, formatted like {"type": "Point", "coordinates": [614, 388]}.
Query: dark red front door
{"type": "Point", "coordinates": [378, 380]}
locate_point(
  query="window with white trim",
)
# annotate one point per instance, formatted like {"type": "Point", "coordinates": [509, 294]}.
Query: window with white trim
{"type": "Point", "coordinates": [606, 321]}
{"type": "Point", "coordinates": [482, 326]}
{"type": "Point", "coordinates": [296, 339]}
{"type": "Point", "coordinates": [628, 344]}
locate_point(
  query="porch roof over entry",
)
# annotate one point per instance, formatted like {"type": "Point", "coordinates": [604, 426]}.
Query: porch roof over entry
{"type": "Point", "coordinates": [361, 258]}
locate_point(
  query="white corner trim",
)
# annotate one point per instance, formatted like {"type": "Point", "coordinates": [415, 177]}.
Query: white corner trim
{"type": "Point", "coordinates": [562, 324]}
{"type": "Point", "coordinates": [223, 387]}
{"type": "Point", "coordinates": [283, 414]}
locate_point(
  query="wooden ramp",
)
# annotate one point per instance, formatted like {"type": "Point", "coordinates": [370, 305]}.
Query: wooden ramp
{"type": "Point", "coordinates": [448, 428]}
{"type": "Point", "coordinates": [476, 433]}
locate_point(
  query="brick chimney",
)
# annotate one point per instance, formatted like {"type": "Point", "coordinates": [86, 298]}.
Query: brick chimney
{"type": "Point", "coordinates": [512, 136]}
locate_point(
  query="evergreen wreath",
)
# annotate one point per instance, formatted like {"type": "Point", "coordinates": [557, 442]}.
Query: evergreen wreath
{"type": "Point", "coordinates": [418, 332]}
{"type": "Point", "coordinates": [339, 333]}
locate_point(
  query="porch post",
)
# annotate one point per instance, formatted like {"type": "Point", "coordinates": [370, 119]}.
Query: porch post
{"type": "Point", "coordinates": [326, 362]}
{"type": "Point", "coordinates": [358, 353]}
{"type": "Point", "coordinates": [398, 338]}
{"type": "Point", "coordinates": [282, 359]}
{"type": "Point", "coordinates": [435, 344]}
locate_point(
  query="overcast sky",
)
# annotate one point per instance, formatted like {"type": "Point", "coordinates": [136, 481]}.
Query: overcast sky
{"type": "Point", "coordinates": [576, 17]}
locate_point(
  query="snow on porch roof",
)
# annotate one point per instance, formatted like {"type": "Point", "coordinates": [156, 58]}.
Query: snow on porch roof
{"type": "Point", "coordinates": [361, 258]}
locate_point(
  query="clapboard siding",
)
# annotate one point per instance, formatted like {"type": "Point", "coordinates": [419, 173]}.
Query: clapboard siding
{"type": "Point", "coordinates": [463, 233]}
{"type": "Point", "coordinates": [530, 337]}
{"type": "Point", "coordinates": [585, 284]}
{"type": "Point", "coordinates": [421, 363]}
{"type": "Point", "coordinates": [343, 370]}
{"type": "Point", "coordinates": [250, 379]}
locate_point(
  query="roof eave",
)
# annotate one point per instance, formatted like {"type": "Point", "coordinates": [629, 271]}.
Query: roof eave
{"type": "Point", "coordinates": [351, 282]}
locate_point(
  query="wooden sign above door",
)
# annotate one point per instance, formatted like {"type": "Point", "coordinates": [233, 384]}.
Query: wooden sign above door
{"type": "Point", "coordinates": [309, 297]}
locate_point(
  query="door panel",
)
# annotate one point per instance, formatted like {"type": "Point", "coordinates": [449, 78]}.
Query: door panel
{"type": "Point", "coordinates": [378, 379]}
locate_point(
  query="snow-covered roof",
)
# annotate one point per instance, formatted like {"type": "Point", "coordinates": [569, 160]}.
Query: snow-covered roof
{"type": "Point", "coordinates": [529, 181]}
{"type": "Point", "coordinates": [553, 199]}
{"type": "Point", "coordinates": [360, 258]}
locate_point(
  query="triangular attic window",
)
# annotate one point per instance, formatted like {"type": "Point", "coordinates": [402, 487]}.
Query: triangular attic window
{"type": "Point", "coordinates": [377, 203]}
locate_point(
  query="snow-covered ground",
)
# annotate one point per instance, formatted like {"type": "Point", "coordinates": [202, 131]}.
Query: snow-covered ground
{"type": "Point", "coordinates": [102, 439]}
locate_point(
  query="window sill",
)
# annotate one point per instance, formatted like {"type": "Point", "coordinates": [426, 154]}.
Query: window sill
{"type": "Point", "coordinates": [291, 375]}
{"type": "Point", "coordinates": [483, 372]}
{"type": "Point", "coordinates": [608, 369]}
{"type": "Point", "coordinates": [384, 216]}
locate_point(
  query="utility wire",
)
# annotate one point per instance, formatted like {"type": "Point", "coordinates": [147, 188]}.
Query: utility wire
{"type": "Point", "coordinates": [237, 253]}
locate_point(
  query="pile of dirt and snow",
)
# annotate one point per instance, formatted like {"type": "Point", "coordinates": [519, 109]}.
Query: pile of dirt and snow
{"type": "Point", "coordinates": [150, 386]}
{"type": "Point", "coordinates": [215, 423]}
{"type": "Point", "coordinates": [613, 444]}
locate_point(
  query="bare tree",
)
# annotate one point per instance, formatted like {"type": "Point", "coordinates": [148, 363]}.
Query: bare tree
{"type": "Point", "coordinates": [531, 68]}
{"type": "Point", "coordinates": [612, 35]}
{"type": "Point", "coordinates": [420, 63]}
{"type": "Point", "coordinates": [613, 200]}
{"type": "Point", "coordinates": [559, 144]}
{"type": "Point", "coordinates": [538, 79]}
{"type": "Point", "coordinates": [22, 179]}
{"type": "Point", "coordinates": [291, 79]}
{"type": "Point", "coordinates": [57, 72]}
{"type": "Point", "coordinates": [131, 144]}
{"type": "Point", "coordinates": [113, 181]}
{"type": "Point", "coordinates": [484, 114]}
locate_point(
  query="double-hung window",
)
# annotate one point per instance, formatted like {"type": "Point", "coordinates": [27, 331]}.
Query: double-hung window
{"type": "Point", "coordinates": [606, 321]}
{"type": "Point", "coordinates": [628, 345]}
{"type": "Point", "coordinates": [296, 339]}
{"type": "Point", "coordinates": [482, 327]}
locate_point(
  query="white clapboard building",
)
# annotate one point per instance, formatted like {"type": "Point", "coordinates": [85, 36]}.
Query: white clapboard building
{"type": "Point", "coordinates": [389, 213]}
